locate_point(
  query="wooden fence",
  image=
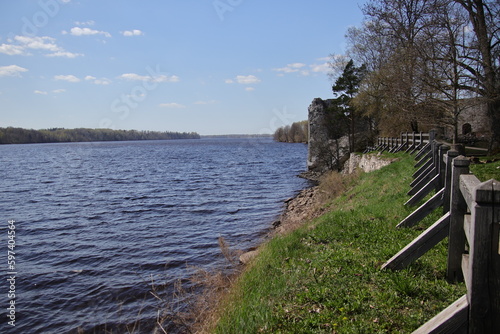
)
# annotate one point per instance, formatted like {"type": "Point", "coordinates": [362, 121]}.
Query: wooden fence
{"type": "Point", "coordinates": [410, 142]}
{"type": "Point", "coordinates": [471, 221]}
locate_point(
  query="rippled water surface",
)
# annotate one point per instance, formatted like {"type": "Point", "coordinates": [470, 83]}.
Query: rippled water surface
{"type": "Point", "coordinates": [96, 223]}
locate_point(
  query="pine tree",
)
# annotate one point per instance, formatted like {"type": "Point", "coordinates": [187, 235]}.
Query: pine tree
{"type": "Point", "coordinates": [345, 88]}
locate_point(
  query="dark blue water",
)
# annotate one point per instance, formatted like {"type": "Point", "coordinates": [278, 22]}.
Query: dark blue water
{"type": "Point", "coordinates": [98, 225]}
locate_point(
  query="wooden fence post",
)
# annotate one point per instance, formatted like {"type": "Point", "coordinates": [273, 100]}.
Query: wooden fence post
{"type": "Point", "coordinates": [442, 166]}
{"type": "Point", "coordinates": [483, 265]}
{"type": "Point", "coordinates": [450, 155]}
{"type": "Point", "coordinates": [432, 135]}
{"type": "Point", "coordinates": [458, 208]}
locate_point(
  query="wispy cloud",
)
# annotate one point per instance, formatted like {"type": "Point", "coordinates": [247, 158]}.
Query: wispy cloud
{"type": "Point", "coordinates": [290, 68]}
{"type": "Point", "coordinates": [38, 43]}
{"type": "Point", "coordinates": [78, 31]}
{"type": "Point", "coordinates": [247, 79]}
{"type": "Point", "coordinates": [244, 80]}
{"type": "Point", "coordinates": [12, 50]}
{"type": "Point", "coordinates": [130, 33]}
{"type": "Point", "coordinates": [68, 78]}
{"type": "Point", "coordinates": [149, 78]}
{"type": "Point", "coordinates": [55, 91]}
{"type": "Point", "coordinates": [64, 54]}
{"type": "Point", "coordinates": [85, 23]}
{"type": "Point", "coordinates": [12, 71]}
{"type": "Point", "coordinates": [172, 105]}
{"type": "Point", "coordinates": [22, 45]}
{"type": "Point", "coordinates": [321, 68]}
{"type": "Point", "coordinates": [101, 81]}
{"type": "Point", "coordinates": [304, 69]}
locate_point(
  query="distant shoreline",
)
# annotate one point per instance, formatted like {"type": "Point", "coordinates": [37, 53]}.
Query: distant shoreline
{"type": "Point", "coordinates": [238, 136]}
{"type": "Point", "coordinates": [11, 135]}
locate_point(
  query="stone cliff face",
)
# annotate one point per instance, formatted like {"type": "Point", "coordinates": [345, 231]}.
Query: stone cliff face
{"type": "Point", "coordinates": [366, 162]}
{"type": "Point", "coordinates": [317, 133]}
{"type": "Point", "coordinates": [322, 150]}
{"type": "Point", "coordinates": [325, 153]}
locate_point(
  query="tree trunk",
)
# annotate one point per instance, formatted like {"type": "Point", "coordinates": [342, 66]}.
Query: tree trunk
{"type": "Point", "coordinates": [476, 10]}
{"type": "Point", "coordinates": [494, 114]}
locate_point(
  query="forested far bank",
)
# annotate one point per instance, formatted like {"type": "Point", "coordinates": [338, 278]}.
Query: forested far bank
{"type": "Point", "coordinates": [298, 132]}
{"type": "Point", "coordinates": [12, 135]}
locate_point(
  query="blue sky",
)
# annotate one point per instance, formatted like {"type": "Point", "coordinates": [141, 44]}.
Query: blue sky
{"type": "Point", "coordinates": [210, 66]}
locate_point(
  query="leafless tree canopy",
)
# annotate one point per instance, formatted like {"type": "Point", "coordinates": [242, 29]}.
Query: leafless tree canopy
{"type": "Point", "coordinates": [424, 57]}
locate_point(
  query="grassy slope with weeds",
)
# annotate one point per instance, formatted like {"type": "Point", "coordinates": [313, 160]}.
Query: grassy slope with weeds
{"type": "Point", "coordinates": [326, 276]}
{"type": "Point", "coordinates": [487, 168]}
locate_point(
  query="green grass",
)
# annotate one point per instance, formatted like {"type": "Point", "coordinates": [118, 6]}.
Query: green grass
{"type": "Point", "coordinates": [489, 168]}
{"type": "Point", "coordinates": [326, 276]}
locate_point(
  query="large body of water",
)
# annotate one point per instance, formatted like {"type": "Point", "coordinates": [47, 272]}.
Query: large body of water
{"type": "Point", "coordinates": [99, 224]}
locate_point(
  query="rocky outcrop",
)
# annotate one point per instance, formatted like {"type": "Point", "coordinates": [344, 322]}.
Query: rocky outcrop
{"type": "Point", "coordinates": [366, 162]}
{"type": "Point", "coordinates": [318, 134]}
{"type": "Point", "coordinates": [327, 153]}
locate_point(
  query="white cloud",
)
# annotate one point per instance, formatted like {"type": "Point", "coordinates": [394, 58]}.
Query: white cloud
{"type": "Point", "coordinates": [64, 54]}
{"type": "Point", "coordinates": [149, 78]}
{"type": "Point", "coordinates": [94, 80]}
{"type": "Point", "coordinates": [244, 80]}
{"type": "Point", "coordinates": [247, 80]}
{"type": "Point", "coordinates": [102, 81]}
{"type": "Point", "coordinates": [55, 91]}
{"type": "Point", "coordinates": [11, 71]}
{"type": "Point", "coordinates": [249, 89]}
{"type": "Point", "coordinates": [326, 59]}
{"type": "Point", "coordinates": [135, 32]}
{"type": "Point", "coordinates": [68, 78]}
{"type": "Point", "coordinates": [321, 68]}
{"type": "Point", "coordinates": [11, 50]}
{"type": "Point", "coordinates": [172, 105]}
{"type": "Point", "coordinates": [173, 78]}
{"type": "Point", "coordinates": [85, 23]}
{"type": "Point", "coordinates": [40, 43]}
{"type": "Point", "coordinates": [304, 69]}
{"type": "Point", "coordinates": [290, 68]}
{"type": "Point", "coordinates": [77, 31]}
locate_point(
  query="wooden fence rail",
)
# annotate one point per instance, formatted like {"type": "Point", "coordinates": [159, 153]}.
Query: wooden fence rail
{"type": "Point", "coordinates": [471, 221]}
{"type": "Point", "coordinates": [410, 142]}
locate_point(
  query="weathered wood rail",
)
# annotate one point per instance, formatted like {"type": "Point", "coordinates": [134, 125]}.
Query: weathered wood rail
{"type": "Point", "coordinates": [409, 141]}
{"type": "Point", "coordinates": [471, 221]}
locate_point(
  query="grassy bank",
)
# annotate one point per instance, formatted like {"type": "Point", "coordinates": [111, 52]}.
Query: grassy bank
{"type": "Point", "coordinates": [326, 276]}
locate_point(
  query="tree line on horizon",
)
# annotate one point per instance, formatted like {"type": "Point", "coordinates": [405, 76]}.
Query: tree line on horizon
{"type": "Point", "coordinates": [11, 135]}
{"type": "Point", "coordinates": [413, 64]}
{"type": "Point", "coordinates": [298, 132]}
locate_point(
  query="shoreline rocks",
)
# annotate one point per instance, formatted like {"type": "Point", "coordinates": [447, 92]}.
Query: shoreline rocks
{"type": "Point", "coordinates": [297, 210]}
